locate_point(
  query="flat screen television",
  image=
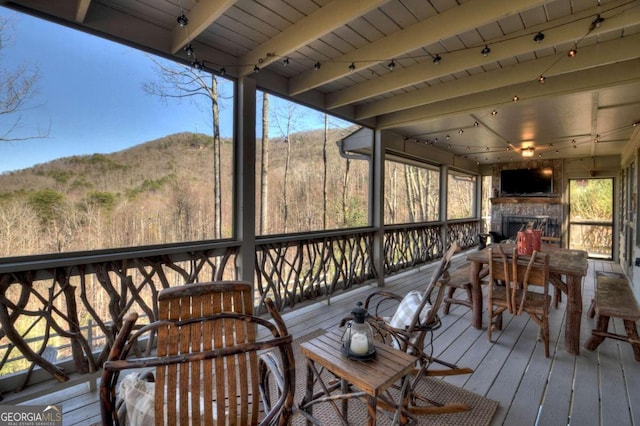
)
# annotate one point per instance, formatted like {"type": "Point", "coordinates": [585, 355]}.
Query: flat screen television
{"type": "Point", "coordinates": [536, 182]}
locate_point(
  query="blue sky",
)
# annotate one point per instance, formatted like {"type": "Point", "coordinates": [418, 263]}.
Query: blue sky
{"type": "Point", "coordinates": [89, 95]}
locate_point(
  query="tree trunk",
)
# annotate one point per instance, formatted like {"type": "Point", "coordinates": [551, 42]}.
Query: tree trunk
{"type": "Point", "coordinates": [264, 166]}
{"type": "Point", "coordinates": [324, 176]}
{"type": "Point", "coordinates": [217, 191]}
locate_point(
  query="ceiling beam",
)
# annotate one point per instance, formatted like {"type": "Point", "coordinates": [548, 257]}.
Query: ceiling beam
{"type": "Point", "coordinates": [465, 17]}
{"type": "Point", "coordinates": [321, 22]}
{"type": "Point", "coordinates": [622, 49]}
{"type": "Point", "coordinates": [573, 82]}
{"type": "Point", "coordinates": [200, 17]}
{"type": "Point", "coordinates": [559, 32]}
{"type": "Point", "coordinates": [81, 10]}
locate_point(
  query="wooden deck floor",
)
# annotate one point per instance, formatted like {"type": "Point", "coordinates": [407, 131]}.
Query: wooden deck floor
{"type": "Point", "coordinates": [594, 388]}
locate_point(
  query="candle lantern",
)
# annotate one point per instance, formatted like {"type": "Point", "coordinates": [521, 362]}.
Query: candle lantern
{"type": "Point", "coordinates": [357, 340]}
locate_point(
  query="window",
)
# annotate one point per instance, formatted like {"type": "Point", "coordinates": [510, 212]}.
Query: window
{"type": "Point", "coordinates": [304, 180]}
{"type": "Point", "coordinates": [461, 190]}
{"type": "Point", "coordinates": [412, 193]}
{"type": "Point", "coordinates": [104, 155]}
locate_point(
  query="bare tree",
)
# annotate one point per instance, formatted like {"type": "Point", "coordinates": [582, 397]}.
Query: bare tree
{"type": "Point", "coordinates": [17, 88]}
{"type": "Point", "coordinates": [264, 169]}
{"type": "Point", "coordinates": [286, 118]}
{"type": "Point", "coordinates": [324, 170]}
{"type": "Point", "coordinates": [182, 82]}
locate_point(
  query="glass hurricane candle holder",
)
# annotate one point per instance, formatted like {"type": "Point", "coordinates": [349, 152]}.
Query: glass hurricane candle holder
{"type": "Point", "coordinates": [357, 340]}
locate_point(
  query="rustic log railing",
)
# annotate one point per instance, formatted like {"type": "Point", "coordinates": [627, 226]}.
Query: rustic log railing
{"type": "Point", "coordinates": [406, 246]}
{"type": "Point", "coordinates": [464, 232]}
{"type": "Point", "coordinates": [291, 269]}
{"type": "Point", "coordinates": [53, 298]}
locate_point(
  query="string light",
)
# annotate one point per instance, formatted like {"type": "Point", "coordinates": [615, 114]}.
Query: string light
{"type": "Point", "coordinates": [391, 65]}
{"type": "Point", "coordinates": [596, 22]}
{"type": "Point", "coordinates": [538, 37]}
{"type": "Point", "coordinates": [183, 20]}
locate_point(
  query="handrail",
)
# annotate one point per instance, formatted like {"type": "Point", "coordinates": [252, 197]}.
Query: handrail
{"type": "Point", "coordinates": [54, 293]}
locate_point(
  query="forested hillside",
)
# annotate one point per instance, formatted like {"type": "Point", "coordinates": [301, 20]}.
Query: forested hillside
{"type": "Point", "coordinates": [162, 192]}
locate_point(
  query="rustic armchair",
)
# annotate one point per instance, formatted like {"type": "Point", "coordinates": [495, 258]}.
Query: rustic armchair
{"type": "Point", "coordinates": [214, 362]}
{"type": "Point", "coordinates": [415, 318]}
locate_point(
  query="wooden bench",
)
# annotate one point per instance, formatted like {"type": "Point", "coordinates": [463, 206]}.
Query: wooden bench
{"type": "Point", "coordinates": [460, 279]}
{"type": "Point", "coordinates": [614, 299]}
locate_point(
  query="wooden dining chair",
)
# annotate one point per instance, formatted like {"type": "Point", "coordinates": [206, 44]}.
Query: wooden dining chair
{"type": "Point", "coordinates": [415, 318]}
{"type": "Point", "coordinates": [524, 288]}
{"type": "Point", "coordinates": [210, 361]}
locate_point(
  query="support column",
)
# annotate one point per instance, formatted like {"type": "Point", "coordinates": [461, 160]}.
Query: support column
{"type": "Point", "coordinates": [444, 184]}
{"type": "Point", "coordinates": [245, 177]}
{"type": "Point", "coordinates": [377, 204]}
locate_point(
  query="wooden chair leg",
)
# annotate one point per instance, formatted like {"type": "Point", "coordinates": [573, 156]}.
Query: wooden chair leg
{"type": "Point", "coordinates": [557, 297]}
{"type": "Point", "coordinates": [447, 300]}
{"type": "Point", "coordinates": [545, 334]}
{"type": "Point", "coordinates": [592, 309]}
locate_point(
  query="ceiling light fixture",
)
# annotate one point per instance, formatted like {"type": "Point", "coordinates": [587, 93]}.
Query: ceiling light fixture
{"type": "Point", "coordinates": [527, 152]}
{"type": "Point", "coordinates": [541, 79]}
{"type": "Point", "coordinates": [494, 113]}
{"type": "Point", "coordinates": [538, 37]}
{"type": "Point", "coordinates": [476, 124]}
{"type": "Point", "coordinates": [516, 98]}
{"type": "Point", "coordinates": [223, 71]}
{"type": "Point", "coordinates": [352, 67]}
{"type": "Point", "coordinates": [573, 52]}
{"type": "Point", "coordinates": [460, 131]}
{"type": "Point", "coordinates": [391, 65]}
{"type": "Point", "coordinates": [485, 51]}
{"type": "Point", "coordinates": [188, 49]}
{"type": "Point", "coordinates": [183, 20]}
{"type": "Point", "coordinates": [286, 62]}
{"type": "Point", "coordinates": [256, 69]}
{"type": "Point", "coordinates": [316, 66]}
{"type": "Point", "coordinates": [437, 59]}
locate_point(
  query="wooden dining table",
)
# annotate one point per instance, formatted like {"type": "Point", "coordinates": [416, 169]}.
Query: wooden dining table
{"type": "Point", "coordinates": [566, 271]}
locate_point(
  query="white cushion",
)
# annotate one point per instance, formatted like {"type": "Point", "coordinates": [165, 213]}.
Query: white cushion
{"type": "Point", "coordinates": [406, 310]}
{"type": "Point", "coordinates": [138, 396]}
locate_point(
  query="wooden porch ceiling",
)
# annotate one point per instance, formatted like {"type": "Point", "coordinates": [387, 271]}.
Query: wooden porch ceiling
{"type": "Point", "coordinates": [374, 62]}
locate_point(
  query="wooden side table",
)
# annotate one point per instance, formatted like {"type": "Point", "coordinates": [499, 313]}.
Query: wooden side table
{"type": "Point", "coordinates": [372, 377]}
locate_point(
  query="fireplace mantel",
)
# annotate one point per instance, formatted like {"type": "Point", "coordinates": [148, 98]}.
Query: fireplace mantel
{"type": "Point", "coordinates": [522, 200]}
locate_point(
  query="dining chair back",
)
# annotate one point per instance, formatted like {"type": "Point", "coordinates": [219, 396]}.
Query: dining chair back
{"type": "Point", "coordinates": [519, 284]}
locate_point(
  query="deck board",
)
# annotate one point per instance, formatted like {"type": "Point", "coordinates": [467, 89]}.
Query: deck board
{"type": "Point", "coordinates": [599, 387]}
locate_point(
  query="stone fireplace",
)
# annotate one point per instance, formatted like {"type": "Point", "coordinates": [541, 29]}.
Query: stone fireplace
{"type": "Point", "coordinates": [510, 214]}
